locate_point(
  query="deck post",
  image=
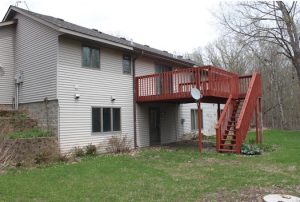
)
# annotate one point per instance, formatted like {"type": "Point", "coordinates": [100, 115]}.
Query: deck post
{"type": "Point", "coordinates": [219, 111]}
{"type": "Point", "coordinates": [199, 127]}
{"type": "Point", "coordinates": [258, 120]}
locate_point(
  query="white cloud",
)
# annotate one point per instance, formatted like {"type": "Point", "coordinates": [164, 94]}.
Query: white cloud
{"type": "Point", "coordinates": [172, 25]}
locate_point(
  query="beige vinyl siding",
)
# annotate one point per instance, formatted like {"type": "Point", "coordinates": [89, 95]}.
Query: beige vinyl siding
{"type": "Point", "coordinates": [209, 118]}
{"type": "Point", "coordinates": [95, 86]}
{"type": "Point", "coordinates": [7, 86]}
{"type": "Point", "coordinates": [36, 56]}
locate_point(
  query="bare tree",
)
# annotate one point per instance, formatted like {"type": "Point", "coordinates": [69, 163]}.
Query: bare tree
{"type": "Point", "coordinates": [273, 22]}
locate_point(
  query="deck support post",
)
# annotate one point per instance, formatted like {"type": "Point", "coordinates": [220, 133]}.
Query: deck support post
{"type": "Point", "coordinates": [258, 121]}
{"type": "Point", "coordinates": [219, 111]}
{"type": "Point", "coordinates": [199, 127]}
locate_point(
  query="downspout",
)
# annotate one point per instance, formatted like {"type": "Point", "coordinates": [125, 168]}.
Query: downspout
{"type": "Point", "coordinates": [134, 102]}
{"type": "Point", "coordinates": [17, 97]}
{"type": "Point", "coordinates": [134, 98]}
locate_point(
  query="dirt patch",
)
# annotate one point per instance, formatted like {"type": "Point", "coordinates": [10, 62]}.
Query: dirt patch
{"type": "Point", "coordinates": [252, 193]}
{"type": "Point", "coordinates": [207, 145]}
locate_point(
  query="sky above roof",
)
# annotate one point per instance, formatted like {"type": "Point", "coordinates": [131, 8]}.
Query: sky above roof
{"type": "Point", "coordinates": [176, 26]}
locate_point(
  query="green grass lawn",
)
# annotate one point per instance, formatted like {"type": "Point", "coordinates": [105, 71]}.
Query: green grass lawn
{"type": "Point", "coordinates": [158, 174]}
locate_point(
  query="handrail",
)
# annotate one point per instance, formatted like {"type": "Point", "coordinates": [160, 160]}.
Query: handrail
{"type": "Point", "coordinates": [223, 120]}
{"type": "Point", "coordinates": [250, 102]}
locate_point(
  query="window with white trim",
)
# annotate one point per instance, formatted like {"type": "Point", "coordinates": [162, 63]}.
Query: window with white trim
{"type": "Point", "coordinates": [127, 64]}
{"type": "Point", "coordinates": [106, 119]}
{"type": "Point", "coordinates": [90, 57]}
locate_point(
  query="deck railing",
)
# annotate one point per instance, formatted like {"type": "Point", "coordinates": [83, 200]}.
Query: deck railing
{"type": "Point", "coordinates": [251, 100]}
{"type": "Point", "coordinates": [244, 82]}
{"type": "Point", "coordinates": [177, 84]}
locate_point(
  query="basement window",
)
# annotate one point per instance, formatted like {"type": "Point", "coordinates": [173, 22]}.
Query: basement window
{"type": "Point", "coordinates": [106, 119]}
{"type": "Point", "coordinates": [90, 57]}
{"type": "Point", "coordinates": [194, 119]}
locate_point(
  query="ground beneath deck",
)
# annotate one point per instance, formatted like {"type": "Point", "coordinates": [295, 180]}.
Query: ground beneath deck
{"type": "Point", "coordinates": [208, 145]}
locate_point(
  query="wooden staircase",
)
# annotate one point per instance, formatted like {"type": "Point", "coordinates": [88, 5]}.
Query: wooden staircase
{"type": "Point", "coordinates": [234, 122]}
{"type": "Point", "coordinates": [242, 95]}
{"type": "Point", "coordinates": [228, 139]}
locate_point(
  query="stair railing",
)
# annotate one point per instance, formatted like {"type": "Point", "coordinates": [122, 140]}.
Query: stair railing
{"type": "Point", "coordinates": [253, 93]}
{"type": "Point", "coordinates": [222, 124]}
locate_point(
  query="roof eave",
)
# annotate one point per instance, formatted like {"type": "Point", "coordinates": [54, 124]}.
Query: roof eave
{"type": "Point", "coordinates": [78, 34]}
{"type": "Point", "coordinates": [7, 23]}
{"type": "Point", "coordinates": [163, 57]}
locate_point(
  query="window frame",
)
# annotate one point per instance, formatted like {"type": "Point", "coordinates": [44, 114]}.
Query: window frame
{"type": "Point", "coordinates": [130, 69]}
{"type": "Point", "coordinates": [91, 48]}
{"type": "Point", "coordinates": [101, 120]}
{"type": "Point", "coordinates": [195, 112]}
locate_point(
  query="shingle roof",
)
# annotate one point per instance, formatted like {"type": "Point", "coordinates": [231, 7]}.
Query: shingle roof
{"type": "Point", "coordinates": [91, 32]}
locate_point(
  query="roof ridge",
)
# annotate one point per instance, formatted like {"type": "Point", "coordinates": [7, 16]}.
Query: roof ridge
{"type": "Point", "coordinates": [58, 22]}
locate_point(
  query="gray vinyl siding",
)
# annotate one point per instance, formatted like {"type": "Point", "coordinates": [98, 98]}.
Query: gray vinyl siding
{"type": "Point", "coordinates": [7, 86]}
{"type": "Point", "coordinates": [168, 115]}
{"type": "Point", "coordinates": [36, 56]}
{"type": "Point", "coordinates": [169, 130]}
{"type": "Point", "coordinates": [95, 86]}
{"type": "Point", "coordinates": [143, 66]}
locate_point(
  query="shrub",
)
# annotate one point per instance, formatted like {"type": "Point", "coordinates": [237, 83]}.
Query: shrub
{"type": "Point", "coordinates": [118, 144]}
{"type": "Point", "coordinates": [42, 157]}
{"type": "Point", "coordinates": [91, 149]}
{"type": "Point", "coordinates": [250, 149]}
{"type": "Point", "coordinates": [78, 152]}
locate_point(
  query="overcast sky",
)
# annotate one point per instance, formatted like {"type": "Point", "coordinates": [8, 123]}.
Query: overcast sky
{"type": "Point", "coordinates": [177, 26]}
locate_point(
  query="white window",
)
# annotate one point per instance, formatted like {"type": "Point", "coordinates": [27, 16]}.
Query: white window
{"type": "Point", "coordinates": [90, 57]}
{"type": "Point", "coordinates": [126, 64]}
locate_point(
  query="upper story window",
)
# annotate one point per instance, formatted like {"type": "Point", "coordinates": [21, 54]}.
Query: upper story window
{"type": "Point", "coordinates": [90, 57]}
{"type": "Point", "coordinates": [126, 64]}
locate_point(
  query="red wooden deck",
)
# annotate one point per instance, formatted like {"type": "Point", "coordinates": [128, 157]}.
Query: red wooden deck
{"type": "Point", "coordinates": [217, 86]}
{"type": "Point", "coordinates": [175, 86]}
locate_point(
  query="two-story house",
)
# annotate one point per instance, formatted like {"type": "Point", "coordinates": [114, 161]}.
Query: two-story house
{"type": "Point", "coordinates": [80, 82]}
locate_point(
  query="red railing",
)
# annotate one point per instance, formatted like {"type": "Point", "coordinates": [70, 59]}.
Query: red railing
{"type": "Point", "coordinates": [244, 82]}
{"type": "Point", "coordinates": [177, 84]}
{"type": "Point", "coordinates": [222, 124]}
{"type": "Point", "coordinates": [251, 99]}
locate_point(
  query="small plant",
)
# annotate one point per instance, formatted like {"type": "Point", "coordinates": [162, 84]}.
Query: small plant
{"type": "Point", "coordinates": [91, 150]}
{"type": "Point", "coordinates": [118, 145]}
{"type": "Point", "coordinates": [42, 157]}
{"type": "Point", "coordinates": [250, 149]}
{"type": "Point", "coordinates": [267, 148]}
{"type": "Point", "coordinates": [78, 152]}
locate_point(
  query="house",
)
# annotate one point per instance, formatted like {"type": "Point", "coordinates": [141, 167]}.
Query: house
{"type": "Point", "coordinates": [81, 83]}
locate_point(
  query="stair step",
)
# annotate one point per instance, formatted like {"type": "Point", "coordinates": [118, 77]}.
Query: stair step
{"type": "Point", "coordinates": [228, 145]}
{"type": "Point", "coordinates": [228, 139]}
{"type": "Point", "coordinates": [227, 150]}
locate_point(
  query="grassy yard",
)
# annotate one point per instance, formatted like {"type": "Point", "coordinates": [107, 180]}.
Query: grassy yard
{"type": "Point", "coordinates": [161, 174]}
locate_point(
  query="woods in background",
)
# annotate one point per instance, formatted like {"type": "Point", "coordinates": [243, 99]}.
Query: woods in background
{"type": "Point", "coordinates": [263, 37]}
